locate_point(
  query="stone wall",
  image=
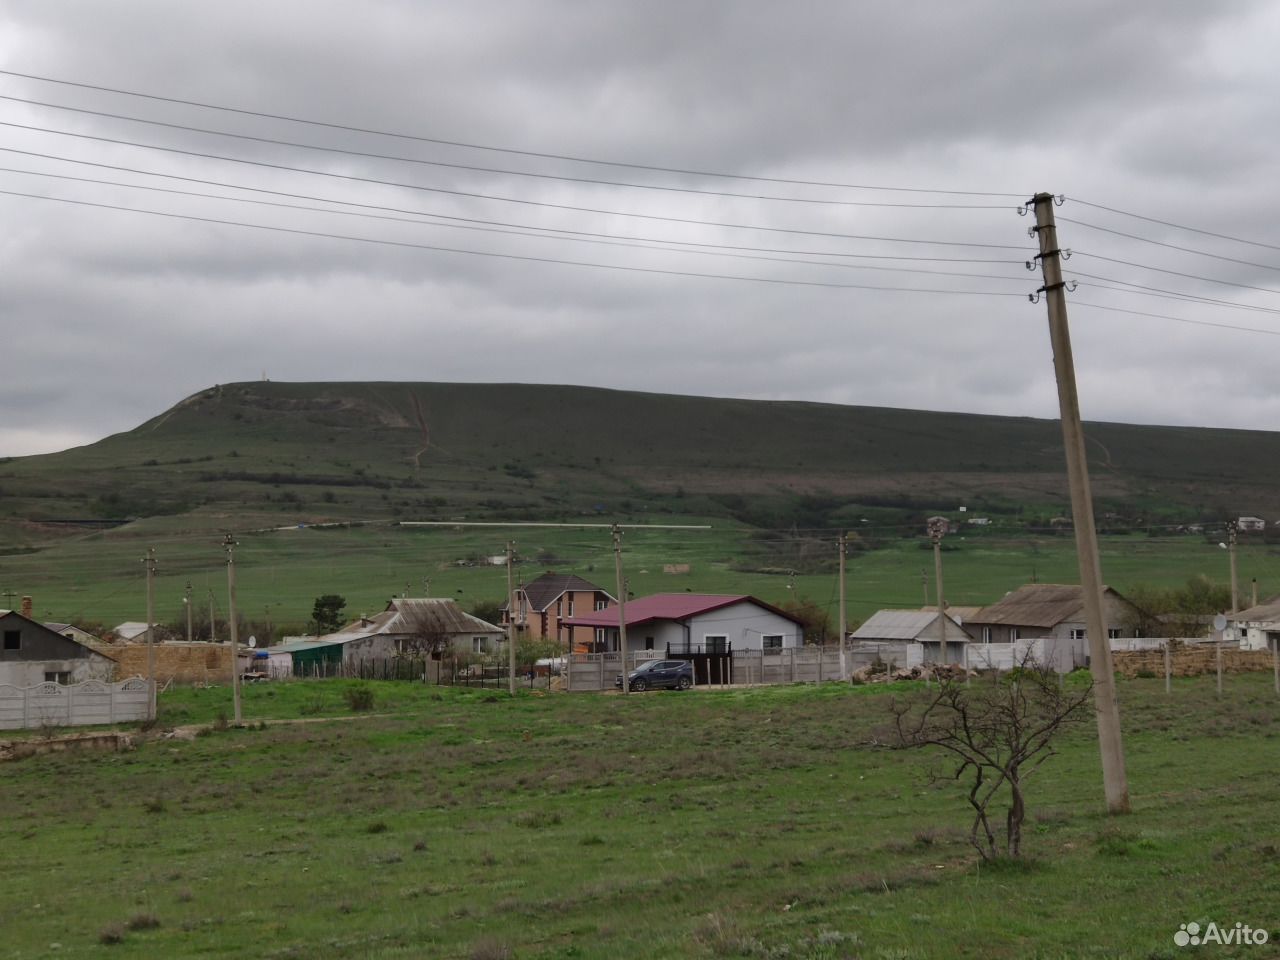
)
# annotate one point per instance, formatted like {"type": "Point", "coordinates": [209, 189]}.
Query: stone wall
{"type": "Point", "coordinates": [180, 662]}
{"type": "Point", "coordinates": [1190, 661]}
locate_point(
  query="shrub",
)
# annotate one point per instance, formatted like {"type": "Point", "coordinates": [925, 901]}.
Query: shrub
{"type": "Point", "coordinates": [359, 698]}
{"type": "Point", "coordinates": [111, 934]}
{"type": "Point", "coordinates": [143, 921]}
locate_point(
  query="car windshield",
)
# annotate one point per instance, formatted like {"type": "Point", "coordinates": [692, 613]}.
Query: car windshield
{"type": "Point", "coordinates": [651, 665]}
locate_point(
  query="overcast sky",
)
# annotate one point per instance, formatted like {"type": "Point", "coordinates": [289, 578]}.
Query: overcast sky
{"type": "Point", "coordinates": [1167, 110]}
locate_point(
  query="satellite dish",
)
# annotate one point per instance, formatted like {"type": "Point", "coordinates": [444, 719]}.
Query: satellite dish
{"type": "Point", "coordinates": [253, 642]}
{"type": "Point", "coordinates": [1219, 623]}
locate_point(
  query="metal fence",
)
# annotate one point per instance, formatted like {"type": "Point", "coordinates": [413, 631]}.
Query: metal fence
{"type": "Point", "coordinates": [73, 705]}
{"type": "Point", "coordinates": [447, 672]}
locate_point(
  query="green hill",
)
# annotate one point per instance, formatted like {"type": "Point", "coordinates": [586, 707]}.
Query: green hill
{"type": "Point", "coordinates": [292, 452]}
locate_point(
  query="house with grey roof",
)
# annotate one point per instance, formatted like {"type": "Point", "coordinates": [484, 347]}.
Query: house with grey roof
{"type": "Point", "coordinates": [1052, 611]}
{"type": "Point", "coordinates": [415, 627]}
{"type": "Point", "coordinates": [543, 605]}
{"type": "Point", "coordinates": [924, 627]}
{"type": "Point", "coordinates": [31, 653]}
{"type": "Point", "coordinates": [1258, 627]}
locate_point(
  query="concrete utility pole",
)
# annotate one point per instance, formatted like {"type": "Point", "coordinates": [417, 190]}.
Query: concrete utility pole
{"type": "Point", "coordinates": [150, 561]}
{"type": "Point", "coordinates": [213, 623]}
{"type": "Point", "coordinates": [622, 606]}
{"type": "Point", "coordinates": [844, 670]}
{"type": "Point", "coordinates": [511, 620]}
{"type": "Point", "coordinates": [230, 543]}
{"type": "Point", "coordinates": [187, 600]}
{"type": "Point", "coordinates": [1233, 532]}
{"type": "Point", "coordinates": [937, 529]}
{"type": "Point", "coordinates": [1107, 708]}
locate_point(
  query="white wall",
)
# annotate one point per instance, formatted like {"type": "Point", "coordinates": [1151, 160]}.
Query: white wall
{"type": "Point", "coordinates": [27, 673]}
{"type": "Point", "coordinates": [744, 624]}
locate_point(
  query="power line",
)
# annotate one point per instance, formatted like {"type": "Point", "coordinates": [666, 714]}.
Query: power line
{"type": "Point", "coordinates": [1164, 316]}
{"type": "Point", "coordinates": [507, 256]}
{"type": "Point", "coordinates": [520, 233]}
{"type": "Point", "coordinates": [506, 150]}
{"type": "Point", "coordinates": [1176, 226]}
{"type": "Point", "coordinates": [1170, 246]}
{"type": "Point", "coordinates": [1174, 273]}
{"type": "Point", "coordinates": [1124, 286]}
{"type": "Point", "coordinates": [476, 220]}
{"type": "Point", "coordinates": [501, 171]}
{"type": "Point", "coordinates": [482, 196]}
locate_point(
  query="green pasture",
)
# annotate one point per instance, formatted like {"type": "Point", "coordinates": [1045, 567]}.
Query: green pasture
{"type": "Point", "coordinates": [763, 823]}
{"type": "Point", "coordinates": [98, 576]}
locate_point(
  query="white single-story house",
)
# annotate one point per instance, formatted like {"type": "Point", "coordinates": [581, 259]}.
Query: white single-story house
{"type": "Point", "coordinates": [31, 653]}
{"type": "Point", "coordinates": [924, 627]}
{"type": "Point", "coordinates": [1250, 524]}
{"type": "Point", "coordinates": [1257, 628]}
{"type": "Point", "coordinates": [680, 623]}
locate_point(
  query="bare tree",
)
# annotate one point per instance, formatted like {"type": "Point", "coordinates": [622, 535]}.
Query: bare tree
{"type": "Point", "coordinates": [998, 731]}
{"type": "Point", "coordinates": [422, 633]}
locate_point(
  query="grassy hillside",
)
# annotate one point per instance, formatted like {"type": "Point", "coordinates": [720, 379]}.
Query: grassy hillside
{"type": "Point", "coordinates": [261, 452]}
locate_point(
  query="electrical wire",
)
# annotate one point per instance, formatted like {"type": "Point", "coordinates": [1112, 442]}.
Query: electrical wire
{"type": "Point", "coordinates": [506, 150]}
{"type": "Point", "coordinates": [482, 196]}
{"type": "Point", "coordinates": [475, 220]}
{"type": "Point", "coordinates": [1174, 273]}
{"type": "Point", "coordinates": [1139, 290]}
{"type": "Point", "coordinates": [1163, 316]}
{"type": "Point", "coordinates": [519, 233]}
{"type": "Point", "coordinates": [1177, 226]}
{"type": "Point", "coordinates": [503, 171]}
{"type": "Point", "coordinates": [507, 256]}
{"type": "Point", "coordinates": [1171, 246]}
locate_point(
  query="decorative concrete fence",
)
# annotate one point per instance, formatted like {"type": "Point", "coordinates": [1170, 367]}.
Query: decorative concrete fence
{"type": "Point", "coordinates": [808, 664]}
{"type": "Point", "coordinates": [75, 705]}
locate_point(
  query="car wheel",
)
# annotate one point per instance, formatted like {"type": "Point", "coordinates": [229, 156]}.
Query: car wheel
{"type": "Point", "coordinates": [684, 683]}
{"type": "Point", "coordinates": [639, 686]}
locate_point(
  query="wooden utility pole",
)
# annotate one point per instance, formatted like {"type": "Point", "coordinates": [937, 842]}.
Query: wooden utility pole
{"type": "Point", "coordinates": [622, 606]}
{"type": "Point", "coordinates": [1107, 708]}
{"type": "Point", "coordinates": [511, 619]}
{"type": "Point", "coordinates": [844, 667]}
{"type": "Point", "coordinates": [188, 603]}
{"type": "Point", "coordinates": [230, 543]}
{"type": "Point", "coordinates": [150, 561]}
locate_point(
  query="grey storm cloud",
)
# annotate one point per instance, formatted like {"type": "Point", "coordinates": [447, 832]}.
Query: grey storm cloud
{"type": "Point", "coordinates": [1158, 108]}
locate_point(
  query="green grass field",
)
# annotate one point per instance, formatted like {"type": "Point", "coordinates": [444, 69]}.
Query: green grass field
{"type": "Point", "coordinates": [98, 577]}
{"type": "Point", "coordinates": [752, 823]}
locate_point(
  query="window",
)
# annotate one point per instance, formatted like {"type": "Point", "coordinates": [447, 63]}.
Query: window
{"type": "Point", "coordinates": [601, 604]}
{"type": "Point", "coordinates": [1113, 633]}
{"type": "Point", "coordinates": [570, 605]}
{"type": "Point", "coordinates": [477, 644]}
{"type": "Point", "coordinates": [771, 641]}
{"type": "Point", "coordinates": [715, 643]}
{"type": "Point", "coordinates": [13, 639]}
{"type": "Point", "coordinates": [648, 643]}
{"type": "Point", "coordinates": [986, 634]}
{"type": "Point", "coordinates": [57, 676]}
{"type": "Point", "coordinates": [1015, 633]}
{"type": "Point", "coordinates": [1077, 634]}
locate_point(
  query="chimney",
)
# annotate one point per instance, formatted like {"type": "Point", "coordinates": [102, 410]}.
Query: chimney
{"type": "Point", "coordinates": [26, 607]}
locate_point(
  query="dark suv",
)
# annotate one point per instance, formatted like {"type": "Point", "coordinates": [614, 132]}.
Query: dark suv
{"type": "Point", "coordinates": [672, 674]}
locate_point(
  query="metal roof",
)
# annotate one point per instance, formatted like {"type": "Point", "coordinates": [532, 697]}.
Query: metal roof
{"type": "Point", "coordinates": [1268, 610]}
{"type": "Point", "coordinates": [669, 606]}
{"type": "Point", "coordinates": [546, 589]}
{"type": "Point", "coordinates": [414, 616]}
{"type": "Point", "coordinates": [1037, 605]}
{"type": "Point", "coordinates": [909, 625]}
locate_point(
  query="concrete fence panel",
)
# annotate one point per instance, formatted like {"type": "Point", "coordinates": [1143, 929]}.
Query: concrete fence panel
{"type": "Point", "coordinates": [82, 704]}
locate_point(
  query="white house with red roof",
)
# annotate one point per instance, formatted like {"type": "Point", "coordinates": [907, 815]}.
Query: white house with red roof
{"type": "Point", "coordinates": [679, 623]}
